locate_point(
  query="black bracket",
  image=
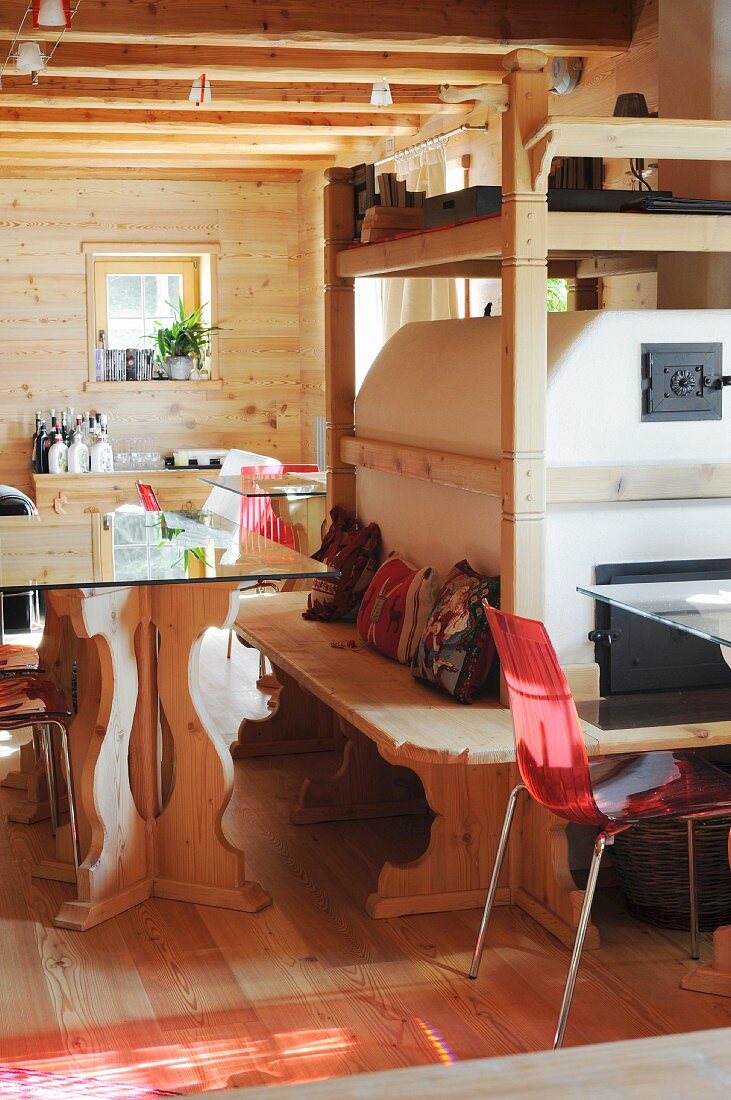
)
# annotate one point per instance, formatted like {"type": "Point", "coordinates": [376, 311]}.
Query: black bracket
{"type": "Point", "coordinates": [604, 637]}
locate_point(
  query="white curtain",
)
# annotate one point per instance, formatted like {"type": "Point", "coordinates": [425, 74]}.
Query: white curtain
{"type": "Point", "coordinates": [406, 300]}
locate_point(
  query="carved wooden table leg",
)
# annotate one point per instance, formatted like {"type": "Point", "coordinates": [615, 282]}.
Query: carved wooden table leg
{"type": "Point", "coordinates": [715, 976]}
{"type": "Point", "coordinates": [195, 862]}
{"type": "Point", "coordinates": [297, 722]}
{"type": "Point", "coordinates": [540, 879]}
{"type": "Point", "coordinates": [453, 873]}
{"type": "Point", "coordinates": [114, 874]}
{"type": "Point", "coordinates": [364, 786]}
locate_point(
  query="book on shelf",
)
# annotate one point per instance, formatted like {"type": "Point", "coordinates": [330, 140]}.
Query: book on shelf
{"type": "Point", "coordinates": [392, 192]}
{"type": "Point", "coordinates": [577, 173]}
{"type": "Point", "coordinates": [124, 365]}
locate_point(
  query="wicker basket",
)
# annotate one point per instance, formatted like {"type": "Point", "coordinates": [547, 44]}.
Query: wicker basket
{"type": "Point", "coordinates": [651, 861]}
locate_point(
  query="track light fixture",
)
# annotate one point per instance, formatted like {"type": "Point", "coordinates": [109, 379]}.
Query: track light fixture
{"type": "Point", "coordinates": [381, 94]}
{"type": "Point", "coordinates": [200, 91]}
{"type": "Point", "coordinates": [51, 13]}
{"type": "Point", "coordinates": [29, 59]}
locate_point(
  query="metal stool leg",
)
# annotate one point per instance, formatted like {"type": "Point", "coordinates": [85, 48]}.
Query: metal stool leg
{"type": "Point", "coordinates": [230, 643]}
{"type": "Point", "coordinates": [70, 788]}
{"type": "Point", "coordinates": [693, 888]}
{"type": "Point", "coordinates": [601, 842]}
{"type": "Point", "coordinates": [497, 867]}
{"type": "Point", "coordinates": [51, 778]}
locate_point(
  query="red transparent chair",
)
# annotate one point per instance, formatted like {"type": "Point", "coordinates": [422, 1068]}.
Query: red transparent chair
{"type": "Point", "coordinates": [32, 700]}
{"type": "Point", "coordinates": [611, 793]}
{"type": "Point", "coordinates": [260, 519]}
{"type": "Point", "coordinates": [258, 515]}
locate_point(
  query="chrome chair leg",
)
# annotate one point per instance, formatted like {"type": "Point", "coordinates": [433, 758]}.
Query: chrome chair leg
{"type": "Point", "coordinates": [51, 777]}
{"type": "Point", "coordinates": [70, 789]}
{"type": "Point", "coordinates": [693, 888]}
{"type": "Point", "coordinates": [601, 842]}
{"type": "Point", "coordinates": [497, 867]}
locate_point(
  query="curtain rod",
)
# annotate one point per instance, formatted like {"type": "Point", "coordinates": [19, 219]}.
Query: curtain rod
{"type": "Point", "coordinates": [429, 143]}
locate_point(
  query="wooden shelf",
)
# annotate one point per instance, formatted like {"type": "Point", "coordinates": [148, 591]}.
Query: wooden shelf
{"type": "Point", "coordinates": [625, 138]}
{"type": "Point", "coordinates": [456, 249]}
{"type": "Point", "coordinates": [155, 386]}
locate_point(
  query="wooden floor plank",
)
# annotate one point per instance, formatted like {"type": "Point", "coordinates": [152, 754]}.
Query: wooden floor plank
{"type": "Point", "coordinates": [194, 998]}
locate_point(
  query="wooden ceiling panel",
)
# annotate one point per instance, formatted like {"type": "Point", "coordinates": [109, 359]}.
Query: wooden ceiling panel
{"type": "Point", "coordinates": [498, 26]}
{"type": "Point", "coordinates": [290, 83]}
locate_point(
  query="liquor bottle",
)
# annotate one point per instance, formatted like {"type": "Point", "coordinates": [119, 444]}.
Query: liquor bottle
{"type": "Point", "coordinates": [90, 435]}
{"type": "Point", "coordinates": [79, 462]}
{"type": "Point", "coordinates": [64, 428]}
{"type": "Point", "coordinates": [34, 441]}
{"type": "Point", "coordinates": [102, 459]}
{"type": "Point", "coordinates": [58, 460]}
{"type": "Point", "coordinates": [40, 447]}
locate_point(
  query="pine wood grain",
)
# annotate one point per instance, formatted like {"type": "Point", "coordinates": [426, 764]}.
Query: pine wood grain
{"type": "Point", "coordinates": [312, 987]}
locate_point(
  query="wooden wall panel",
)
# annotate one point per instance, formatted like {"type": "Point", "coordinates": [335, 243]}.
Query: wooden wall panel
{"type": "Point", "coordinates": [43, 356]}
{"type": "Point", "coordinates": [311, 307]}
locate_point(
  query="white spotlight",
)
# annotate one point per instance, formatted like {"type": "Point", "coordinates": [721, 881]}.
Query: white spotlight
{"type": "Point", "coordinates": [200, 91]}
{"type": "Point", "coordinates": [381, 94]}
{"type": "Point", "coordinates": [29, 58]}
{"type": "Point", "coordinates": [52, 13]}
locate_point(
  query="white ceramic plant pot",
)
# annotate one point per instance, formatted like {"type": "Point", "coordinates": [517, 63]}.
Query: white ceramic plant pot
{"type": "Point", "coordinates": [179, 367]}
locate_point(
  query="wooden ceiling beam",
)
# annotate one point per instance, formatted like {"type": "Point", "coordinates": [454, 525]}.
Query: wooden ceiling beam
{"type": "Point", "coordinates": [562, 26]}
{"type": "Point", "coordinates": [237, 65]}
{"type": "Point", "coordinates": [275, 169]}
{"type": "Point", "coordinates": [151, 95]}
{"type": "Point", "coordinates": [217, 127]}
{"type": "Point", "coordinates": [42, 143]}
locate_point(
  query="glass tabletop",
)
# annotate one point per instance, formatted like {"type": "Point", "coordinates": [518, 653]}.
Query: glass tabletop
{"type": "Point", "coordinates": [700, 607]}
{"type": "Point", "coordinates": [289, 485]}
{"type": "Point", "coordinates": [132, 547]}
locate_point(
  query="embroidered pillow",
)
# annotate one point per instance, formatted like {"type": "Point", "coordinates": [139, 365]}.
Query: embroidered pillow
{"type": "Point", "coordinates": [395, 608]}
{"type": "Point", "coordinates": [352, 550]}
{"type": "Point", "coordinates": [456, 650]}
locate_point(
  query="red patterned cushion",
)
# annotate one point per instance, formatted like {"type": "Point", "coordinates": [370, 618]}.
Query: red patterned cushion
{"type": "Point", "coordinates": [456, 650]}
{"type": "Point", "coordinates": [353, 551]}
{"type": "Point", "coordinates": [395, 608]}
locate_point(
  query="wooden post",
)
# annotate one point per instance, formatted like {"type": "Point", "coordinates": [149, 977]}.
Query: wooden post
{"type": "Point", "coordinates": [339, 337]}
{"type": "Point", "coordinates": [524, 342]}
{"type": "Point", "coordinates": [583, 294]}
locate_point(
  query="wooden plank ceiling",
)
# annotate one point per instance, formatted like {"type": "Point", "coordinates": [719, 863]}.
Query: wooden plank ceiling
{"type": "Point", "coordinates": [291, 85]}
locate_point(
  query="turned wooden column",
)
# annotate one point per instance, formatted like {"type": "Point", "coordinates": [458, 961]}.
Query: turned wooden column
{"type": "Point", "coordinates": [524, 342]}
{"type": "Point", "coordinates": [583, 294]}
{"type": "Point", "coordinates": [339, 337]}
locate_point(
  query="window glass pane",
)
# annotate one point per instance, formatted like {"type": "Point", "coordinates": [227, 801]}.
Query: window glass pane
{"type": "Point", "coordinates": [129, 528]}
{"type": "Point", "coordinates": [128, 334]}
{"type": "Point", "coordinates": [124, 296]}
{"type": "Point", "coordinates": [130, 564]}
{"type": "Point", "coordinates": [159, 291]}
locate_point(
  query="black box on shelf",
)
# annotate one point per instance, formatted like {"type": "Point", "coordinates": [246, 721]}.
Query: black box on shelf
{"type": "Point", "coordinates": [459, 206]}
{"type": "Point", "coordinates": [587, 200]}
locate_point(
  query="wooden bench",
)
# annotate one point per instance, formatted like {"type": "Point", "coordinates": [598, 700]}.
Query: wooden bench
{"type": "Point", "coordinates": [407, 747]}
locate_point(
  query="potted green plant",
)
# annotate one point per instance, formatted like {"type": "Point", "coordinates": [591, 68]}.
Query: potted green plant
{"type": "Point", "coordinates": [182, 343]}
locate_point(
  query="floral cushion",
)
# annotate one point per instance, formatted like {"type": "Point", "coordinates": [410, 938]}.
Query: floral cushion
{"type": "Point", "coordinates": [456, 650]}
{"type": "Point", "coordinates": [395, 608]}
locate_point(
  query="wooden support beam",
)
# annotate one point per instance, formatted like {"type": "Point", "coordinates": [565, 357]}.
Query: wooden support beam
{"type": "Point", "coordinates": [570, 26]}
{"type": "Point", "coordinates": [524, 226]}
{"type": "Point", "coordinates": [339, 337]}
{"type": "Point", "coordinates": [237, 124]}
{"type": "Point", "coordinates": [194, 147]}
{"type": "Point", "coordinates": [60, 94]}
{"type": "Point", "coordinates": [476, 475]}
{"type": "Point", "coordinates": [237, 64]}
{"type": "Point", "coordinates": [614, 484]}
{"type": "Point", "coordinates": [602, 267]}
